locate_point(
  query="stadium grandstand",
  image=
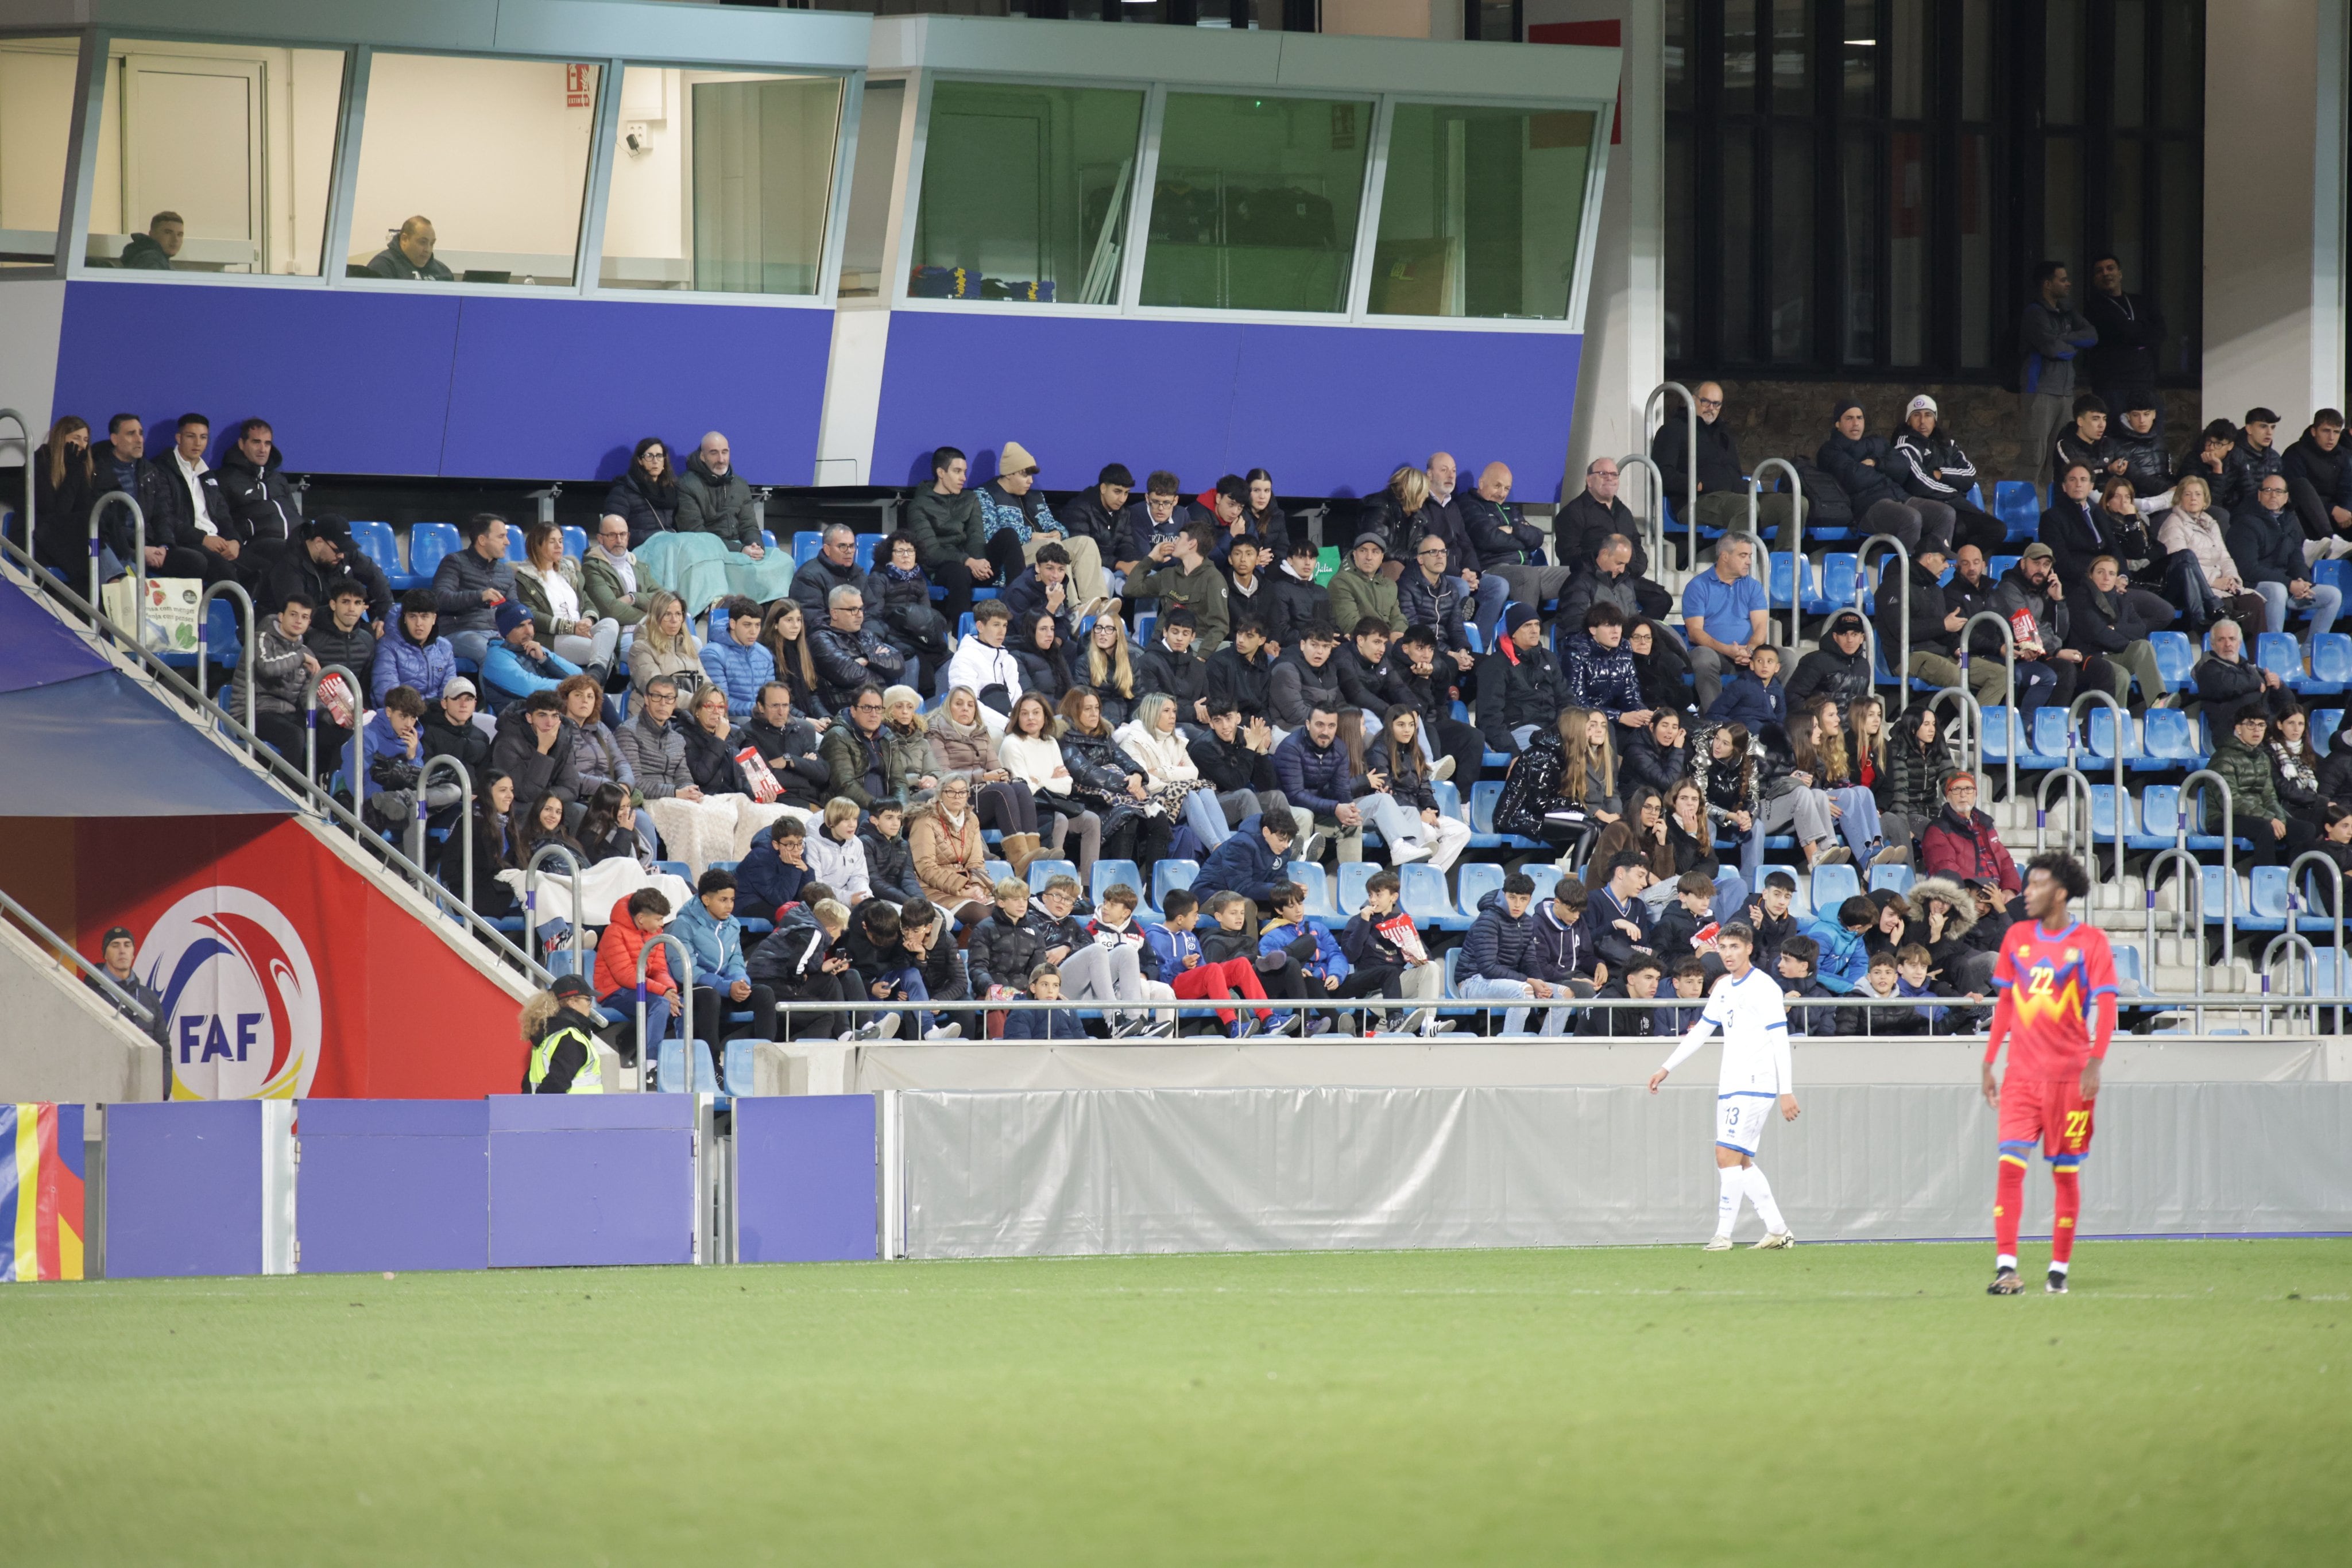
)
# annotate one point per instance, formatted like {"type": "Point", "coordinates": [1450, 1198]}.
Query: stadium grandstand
{"type": "Point", "coordinates": [638, 632]}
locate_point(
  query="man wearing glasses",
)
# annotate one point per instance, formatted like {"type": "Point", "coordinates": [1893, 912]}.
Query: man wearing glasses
{"type": "Point", "coordinates": [849, 655]}
{"type": "Point", "coordinates": [1427, 597]}
{"type": "Point", "coordinates": [852, 752]}
{"type": "Point", "coordinates": [1722, 480]}
{"type": "Point", "coordinates": [2266, 541]}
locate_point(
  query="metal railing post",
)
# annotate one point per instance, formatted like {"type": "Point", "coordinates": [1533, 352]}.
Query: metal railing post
{"type": "Point", "coordinates": [25, 435]}
{"type": "Point", "coordinates": [58, 945]}
{"type": "Point", "coordinates": [1968, 706]}
{"type": "Point", "coordinates": [645, 1047]}
{"type": "Point", "coordinates": [1862, 587]}
{"type": "Point", "coordinates": [1690, 457]}
{"type": "Point", "coordinates": [465, 820]}
{"type": "Point", "coordinates": [2123, 717]}
{"type": "Point", "coordinates": [1795, 540]}
{"type": "Point", "coordinates": [2334, 881]}
{"type": "Point", "coordinates": [204, 641]}
{"type": "Point", "coordinates": [137, 564]}
{"type": "Point", "coordinates": [2291, 940]}
{"type": "Point", "coordinates": [531, 899]}
{"type": "Point", "coordinates": [2193, 888]}
{"type": "Point", "coordinates": [2229, 863]}
{"type": "Point", "coordinates": [1656, 534]}
{"type": "Point", "coordinates": [2009, 652]}
{"type": "Point", "coordinates": [2071, 777]}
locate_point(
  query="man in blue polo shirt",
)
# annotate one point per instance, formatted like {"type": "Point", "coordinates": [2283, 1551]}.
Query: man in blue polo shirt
{"type": "Point", "coordinates": [1723, 616]}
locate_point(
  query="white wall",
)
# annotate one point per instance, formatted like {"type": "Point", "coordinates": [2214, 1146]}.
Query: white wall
{"type": "Point", "coordinates": [2275, 209]}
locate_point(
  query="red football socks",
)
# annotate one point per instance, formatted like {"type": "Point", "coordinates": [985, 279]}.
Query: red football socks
{"type": "Point", "coordinates": [2009, 1201]}
{"type": "Point", "coordinates": [2067, 1182]}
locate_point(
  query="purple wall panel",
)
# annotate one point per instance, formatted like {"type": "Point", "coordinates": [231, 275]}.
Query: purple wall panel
{"type": "Point", "coordinates": [805, 1178]}
{"type": "Point", "coordinates": [183, 1189]}
{"type": "Point", "coordinates": [1326, 410]}
{"type": "Point", "coordinates": [585, 1179]}
{"type": "Point", "coordinates": [393, 1184]}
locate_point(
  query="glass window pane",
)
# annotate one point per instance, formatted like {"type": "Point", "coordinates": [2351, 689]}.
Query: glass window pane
{"type": "Point", "coordinates": [1682, 218]}
{"type": "Point", "coordinates": [472, 168]}
{"type": "Point", "coordinates": [1738, 292]}
{"type": "Point", "coordinates": [2179, 256]}
{"type": "Point", "coordinates": [2062, 63]}
{"type": "Point", "coordinates": [1907, 60]}
{"type": "Point", "coordinates": [1906, 248]}
{"type": "Point", "coordinates": [1480, 212]}
{"type": "Point", "coordinates": [872, 187]}
{"type": "Point", "coordinates": [215, 158]}
{"type": "Point", "coordinates": [1858, 174]}
{"type": "Point", "coordinates": [2062, 206]}
{"type": "Point", "coordinates": [1025, 192]}
{"type": "Point", "coordinates": [721, 181]}
{"type": "Point", "coordinates": [36, 92]}
{"type": "Point", "coordinates": [1792, 57]}
{"type": "Point", "coordinates": [2127, 212]}
{"type": "Point", "coordinates": [1677, 53]}
{"type": "Point", "coordinates": [1739, 56]}
{"type": "Point", "coordinates": [2130, 105]}
{"type": "Point", "coordinates": [1859, 53]}
{"type": "Point", "coordinates": [1257, 201]}
{"type": "Point", "coordinates": [1976, 215]}
{"type": "Point", "coordinates": [1792, 244]}
{"type": "Point", "coordinates": [2180, 50]}
{"type": "Point", "coordinates": [1976, 59]}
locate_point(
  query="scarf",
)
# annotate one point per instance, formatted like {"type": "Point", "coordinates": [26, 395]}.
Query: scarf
{"type": "Point", "coordinates": [623, 565]}
{"type": "Point", "coordinates": [903, 574]}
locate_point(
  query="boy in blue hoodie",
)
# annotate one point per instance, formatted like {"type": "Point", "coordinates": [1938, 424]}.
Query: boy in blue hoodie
{"type": "Point", "coordinates": [1321, 964]}
{"type": "Point", "coordinates": [1186, 970]}
{"type": "Point", "coordinates": [1844, 944]}
{"type": "Point", "coordinates": [1755, 697]}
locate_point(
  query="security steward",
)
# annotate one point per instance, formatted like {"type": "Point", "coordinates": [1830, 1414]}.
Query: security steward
{"type": "Point", "coordinates": [563, 1058]}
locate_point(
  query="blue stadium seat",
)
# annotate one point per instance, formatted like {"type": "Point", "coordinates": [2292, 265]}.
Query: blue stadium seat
{"type": "Point", "coordinates": [2324, 723]}
{"type": "Point", "coordinates": [1470, 637]}
{"type": "Point", "coordinates": [678, 869]}
{"type": "Point", "coordinates": [1896, 877]}
{"type": "Point", "coordinates": [514, 546]}
{"type": "Point", "coordinates": [1839, 570]}
{"type": "Point", "coordinates": [2331, 665]}
{"type": "Point", "coordinates": [1482, 796]}
{"type": "Point", "coordinates": [2101, 735]}
{"type": "Point", "coordinates": [1832, 886]}
{"type": "Point", "coordinates": [2001, 563]}
{"type": "Point", "coordinates": [1109, 872]}
{"type": "Point", "coordinates": [768, 539]}
{"type": "Point", "coordinates": [2103, 813]}
{"type": "Point", "coordinates": [996, 871]}
{"type": "Point", "coordinates": [377, 543]}
{"type": "Point", "coordinates": [2159, 818]}
{"type": "Point", "coordinates": [2337, 574]}
{"type": "Point", "coordinates": [576, 540]}
{"type": "Point", "coordinates": [1476, 879]}
{"type": "Point", "coordinates": [1449, 799]}
{"type": "Point", "coordinates": [670, 1068]}
{"type": "Point", "coordinates": [1353, 874]}
{"type": "Point", "coordinates": [2050, 733]}
{"type": "Point", "coordinates": [428, 543]}
{"type": "Point", "coordinates": [224, 645]}
{"type": "Point", "coordinates": [1166, 875]}
{"type": "Point", "coordinates": [2003, 731]}
{"type": "Point", "coordinates": [1040, 870]}
{"type": "Point", "coordinates": [2278, 654]}
{"type": "Point", "coordinates": [804, 548]}
{"type": "Point", "coordinates": [2175, 656]}
{"type": "Point", "coordinates": [2169, 737]}
{"type": "Point", "coordinates": [867, 544]}
{"type": "Point", "coordinates": [1319, 893]}
{"type": "Point", "coordinates": [2019, 506]}
{"type": "Point", "coordinates": [2268, 896]}
{"type": "Point", "coordinates": [739, 1058]}
{"type": "Point", "coordinates": [1424, 896]}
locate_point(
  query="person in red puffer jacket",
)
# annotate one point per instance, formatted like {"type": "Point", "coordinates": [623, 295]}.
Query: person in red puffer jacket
{"type": "Point", "coordinates": [637, 920]}
{"type": "Point", "coordinates": [1962, 842]}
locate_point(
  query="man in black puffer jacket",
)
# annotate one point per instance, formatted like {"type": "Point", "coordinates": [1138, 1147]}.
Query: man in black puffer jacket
{"type": "Point", "coordinates": [1839, 668]}
{"type": "Point", "coordinates": [263, 508]}
{"type": "Point", "coordinates": [2318, 472]}
{"type": "Point", "coordinates": [1519, 684]}
{"type": "Point", "coordinates": [2139, 442]}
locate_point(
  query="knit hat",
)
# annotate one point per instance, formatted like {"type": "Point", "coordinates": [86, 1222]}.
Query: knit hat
{"type": "Point", "coordinates": [1014, 459]}
{"type": "Point", "coordinates": [116, 933]}
{"type": "Point", "coordinates": [511, 614]}
{"type": "Point", "coordinates": [1840, 412]}
{"type": "Point", "coordinates": [1923, 403]}
{"type": "Point", "coordinates": [1369, 536]}
{"type": "Point", "coordinates": [1517, 615]}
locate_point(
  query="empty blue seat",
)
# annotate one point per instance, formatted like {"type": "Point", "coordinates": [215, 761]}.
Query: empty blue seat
{"type": "Point", "coordinates": [2001, 563]}
{"type": "Point", "coordinates": [996, 871]}
{"type": "Point", "coordinates": [2324, 723]}
{"type": "Point", "coordinates": [678, 869]}
{"type": "Point", "coordinates": [2050, 733]}
{"type": "Point", "coordinates": [1109, 873]}
{"type": "Point", "coordinates": [2103, 812]}
{"type": "Point", "coordinates": [2170, 736]}
{"type": "Point", "coordinates": [514, 546]}
{"type": "Point", "coordinates": [2268, 896]}
{"type": "Point", "coordinates": [2337, 574]}
{"type": "Point", "coordinates": [804, 548]}
{"type": "Point", "coordinates": [1424, 897]}
{"type": "Point", "coordinates": [2175, 656]}
{"type": "Point", "coordinates": [2019, 506]}
{"type": "Point", "coordinates": [2278, 654]}
{"type": "Point", "coordinates": [428, 543]}
{"type": "Point", "coordinates": [1041, 870]}
{"type": "Point", "coordinates": [1471, 637]}
{"type": "Point", "coordinates": [377, 543]}
{"type": "Point", "coordinates": [1476, 879]}
{"type": "Point", "coordinates": [2003, 731]}
{"type": "Point", "coordinates": [867, 544]}
{"type": "Point", "coordinates": [1448, 798]}
{"type": "Point", "coordinates": [1839, 570]}
{"type": "Point", "coordinates": [2331, 665]}
{"type": "Point", "coordinates": [670, 1068]}
{"type": "Point", "coordinates": [1353, 875]}
{"type": "Point", "coordinates": [1168, 875]}
{"type": "Point", "coordinates": [2159, 817]}
{"type": "Point", "coordinates": [1894, 877]}
{"type": "Point", "coordinates": [576, 540]}
{"type": "Point", "coordinates": [2102, 735]}
{"type": "Point", "coordinates": [738, 1060]}
{"type": "Point", "coordinates": [1832, 886]}
{"type": "Point", "coordinates": [767, 538]}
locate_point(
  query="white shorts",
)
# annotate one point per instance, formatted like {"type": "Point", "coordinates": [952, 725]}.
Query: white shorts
{"type": "Point", "coordinates": [1740, 1119]}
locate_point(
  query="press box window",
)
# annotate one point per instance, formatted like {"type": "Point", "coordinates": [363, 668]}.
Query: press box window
{"type": "Point", "coordinates": [721, 181]}
{"type": "Point", "coordinates": [472, 170]}
{"type": "Point", "coordinates": [36, 95]}
{"type": "Point", "coordinates": [1480, 212]}
{"type": "Point", "coordinates": [213, 158]}
{"type": "Point", "coordinates": [1025, 193]}
{"type": "Point", "coordinates": [1256, 202]}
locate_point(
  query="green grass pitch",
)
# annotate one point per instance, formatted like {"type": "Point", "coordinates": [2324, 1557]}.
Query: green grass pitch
{"type": "Point", "coordinates": [2190, 1403]}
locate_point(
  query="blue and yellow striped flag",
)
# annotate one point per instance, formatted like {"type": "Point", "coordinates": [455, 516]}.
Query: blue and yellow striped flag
{"type": "Point", "coordinates": [40, 1192]}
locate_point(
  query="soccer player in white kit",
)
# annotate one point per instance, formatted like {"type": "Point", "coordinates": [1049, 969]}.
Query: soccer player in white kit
{"type": "Point", "coordinates": [1746, 1005]}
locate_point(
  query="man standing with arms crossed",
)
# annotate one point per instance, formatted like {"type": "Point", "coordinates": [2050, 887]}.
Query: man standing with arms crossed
{"type": "Point", "coordinates": [2057, 1011]}
{"type": "Point", "coordinates": [1747, 1006]}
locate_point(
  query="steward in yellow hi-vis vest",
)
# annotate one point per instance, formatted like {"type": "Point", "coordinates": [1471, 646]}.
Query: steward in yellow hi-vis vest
{"type": "Point", "coordinates": [563, 1058]}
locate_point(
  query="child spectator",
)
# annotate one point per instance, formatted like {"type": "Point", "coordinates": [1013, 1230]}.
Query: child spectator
{"type": "Point", "coordinates": [1561, 953]}
{"type": "Point", "coordinates": [722, 985]}
{"type": "Point", "coordinates": [635, 919]}
{"type": "Point", "coordinates": [1188, 974]}
{"type": "Point", "coordinates": [1326, 969]}
{"type": "Point", "coordinates": [1116, 929]}
{"type": "Point", "coordinates": [1002, 948]}
{"type": "Point", "coordinates": [1844, 943]}
{"type": "Point", "coordinates": [1690, 984]}
{"type": "Point", "coordinates": [1675, 936]}
{"type": "Point", "coordinates": [1911, 963]}
{"type": "Point", "coordinates": [1382, 936]}
{"type": "Point", "coordinates": [1797, 982]}
{"type": "Point", "coordinates": [1044, 1023]}
{"type": "Point", "coordinates": [773, 874]}
{"type": "Point", "coordinates": [1638, 983]}
{"type": "Point", "coordinates": [1755, 697]}
{"type": "Point", "coordinates": [1278, 973]}
{"type": "Point", "coordinates": [1769, 917]}
{"type": "Point", "coordinates": [838, 856]}
{"type": "Point", "coordinates": [1882, 979]}
{"type": "Point", "coordinates": [797, 961]}
{"type": "Point", "coordinates": [1089, 972]}
{"type": "Point", "coordinates": [889, 860]}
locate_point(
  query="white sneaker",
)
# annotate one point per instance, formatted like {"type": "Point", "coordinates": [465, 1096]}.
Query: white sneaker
{"type": "Point", "coordinates": [945, 1032]}
{"type": "Point", "coordinates": [1718, 1244]}
{"type": "Point", "coordinates": [882, 1028]}
{"type": "Point", "coordinates": [1408, 852]}
{"type": "Point", "coordinates": [1443, 770]}
{"type": "Point", "coordinates": [1773, 1241]}
{"type": "Point", "coordinates": [1416, 1022]}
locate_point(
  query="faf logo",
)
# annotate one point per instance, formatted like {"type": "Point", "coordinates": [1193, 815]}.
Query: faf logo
{"type": "Point", "coordinates": [240, 998]}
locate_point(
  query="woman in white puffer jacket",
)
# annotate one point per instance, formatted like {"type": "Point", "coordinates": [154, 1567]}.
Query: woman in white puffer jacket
{"type": "Point", "coordinates": [1152, 738]}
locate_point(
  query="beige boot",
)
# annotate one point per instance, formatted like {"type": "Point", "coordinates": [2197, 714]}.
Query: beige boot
{"type": "Point", "coordinates": [1019, 850]}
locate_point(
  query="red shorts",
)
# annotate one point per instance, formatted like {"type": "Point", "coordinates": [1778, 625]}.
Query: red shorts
{"type": "Point", "coordinates": [2054, 1112]}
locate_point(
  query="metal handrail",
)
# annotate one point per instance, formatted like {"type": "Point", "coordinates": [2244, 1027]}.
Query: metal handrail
{"type": "Point", "coordinates": [2074, 716]}
{"type": "Point", "coordinates": [2292, 940]}
{"type": "Point", "coordinates": [138, 561]}
{"type": "Point", "coordinates": [23, 433]}
{"type": "Point", "coordinates": [122, 997]}
{"type": "Point", "coordinates": [645, 1047]}
{"type": "Point", "coordinates": [2194, 881]}
{"type": "Point", "coordinates": [2335, 879]}
{"type": "Point", "coordinates": [1690, 460]}
{"type": "Point", "coordinates": [2071, 776]}
{"type": "Point", "coordinates": [1656, 531]}
{"type": "Point", "coordinates": [2229, 858]}
{"type": "Point", "coordinates": [531, 899]}
{"type": "Point", "coordinates": [1862, 587]}
{"type": "Point", "coordinates": [204, 641]}
{"type": "Point", "coordinates": [264, 757]}
{"type": "Point", "coordinates": [465, 817]}
{"type": "Point", "coordinates": [358, 723]}
{"type": "Point", "coordinates": [1795, 540]}
{"type": "Point", "coordinates": [1968, 706]}
{"type": "Point", "coordinates": [2009, 652]}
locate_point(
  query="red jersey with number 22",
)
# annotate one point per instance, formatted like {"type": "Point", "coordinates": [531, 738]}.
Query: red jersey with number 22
{"type": "Point", "coordinates": [2054, 980]}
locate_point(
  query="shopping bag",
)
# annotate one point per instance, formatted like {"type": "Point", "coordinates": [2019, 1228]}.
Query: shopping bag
{"type": "Point", "coordinates": [169, 622]}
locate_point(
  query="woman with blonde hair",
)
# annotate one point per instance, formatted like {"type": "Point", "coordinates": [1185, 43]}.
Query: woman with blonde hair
{"type": "Point", "coordinates": [1404, 514]}
{"type": "Point", "coordinates": [1563, 788]}
{"type": "Point", "coordinates": [665, 645]}
{"type": "Point", "coordinates": [557, 1025]}
{"type": "Point", "coordinates": [836, 855]}
{"type": "Point", "coordinates": [962, 747]}
{"type": "Point", "coordinates": [1108, 668]}
{"type": "Point", "coordinates": [548, 581]}
{"type": "Point", "coordinates": [951, 861]}
{"type": "Point", "coordinates": [2190, 524]}
{"type": "Point", "coordinates": [906, 742]}
{"type": "Point", "coordinates": [1820, 743]}
{"type": "Point", "coordinates": [1151, 739]}
{"type": "Point", "coordinates": [1031, 750]}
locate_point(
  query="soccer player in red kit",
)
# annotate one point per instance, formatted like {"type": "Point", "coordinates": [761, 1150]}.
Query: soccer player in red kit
{"type": "Point", "coordinates": [2056, 1011]}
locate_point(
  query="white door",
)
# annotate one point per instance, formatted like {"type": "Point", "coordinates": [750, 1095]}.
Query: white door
{"type": "Point", "coordinates": [192, 145]}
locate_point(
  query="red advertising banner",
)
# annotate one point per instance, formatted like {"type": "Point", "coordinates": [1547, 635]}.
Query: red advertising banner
{"type": "Point", "coordinates": [285, 973]}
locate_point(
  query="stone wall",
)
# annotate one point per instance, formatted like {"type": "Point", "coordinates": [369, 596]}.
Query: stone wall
{"type": "Point", "coordinates": [1786, 419]}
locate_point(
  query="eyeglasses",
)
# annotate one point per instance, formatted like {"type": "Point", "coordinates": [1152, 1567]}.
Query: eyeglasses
{"type": "Point", "coordinates": [866, 707]}
{"type": "Point", "coordinates": [1710, 402]}
{"type": "Point", "coordinates": [1437, 554]}
{"type": "Point", "coordinates": [849, 609]}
